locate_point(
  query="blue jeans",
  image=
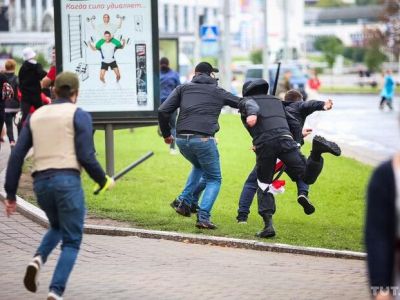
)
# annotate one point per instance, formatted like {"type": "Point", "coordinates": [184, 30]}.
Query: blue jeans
{"type": "Point", "coordinates": [203, 154]}
{"type": "Point", "coordinates": [198, 191]}
{"type": "Point", "coordinates": [61, 197]}
{"type": "Point", "coordinates": [250, 188]}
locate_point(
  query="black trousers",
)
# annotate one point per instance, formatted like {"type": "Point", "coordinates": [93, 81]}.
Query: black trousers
{"type": "Point", "coordinates": [9, 120]}
{"type": "Point", "coordinates": [25, 108]}
{"type": "Point", "coordinates": [297, 167]}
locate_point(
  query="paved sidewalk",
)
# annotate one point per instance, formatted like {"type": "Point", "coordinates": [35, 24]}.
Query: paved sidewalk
{"type": "Point", "coordinates": [134, 268]}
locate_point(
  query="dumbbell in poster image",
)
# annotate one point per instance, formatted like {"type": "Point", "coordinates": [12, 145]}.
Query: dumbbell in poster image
{"type": "Point", "coordinates": [141, 76]}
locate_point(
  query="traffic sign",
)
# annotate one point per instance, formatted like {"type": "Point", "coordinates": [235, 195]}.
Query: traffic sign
{"type": "Point", "coordinates": [209, 33]}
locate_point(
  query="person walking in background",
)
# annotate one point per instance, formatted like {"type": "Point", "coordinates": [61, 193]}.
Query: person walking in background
{"type": "Point", "coordinates": [61, 150]}
{"type": "Point", "coordinates": [30, 76]}
{"type": "Point", "coordinates": [387, 92]}
{"type": "Point", "coordinates": [169, 80]}
{"type": "Point", "coordinates": [382, 229]}
{"type": "Point", "coordinates": [313, 84]}
{"type": "Point", "coordinates": [48, 81]}
{"type": "Point", "coordinates": [11, 106]}
{"type": "Point", "coordinates": [200, 102]}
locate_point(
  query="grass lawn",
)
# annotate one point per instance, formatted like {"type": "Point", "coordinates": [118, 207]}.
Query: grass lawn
{"type": "Point", "coordinates": [143, 196]}
{"type": "Point", "coordinates": [349, 90]}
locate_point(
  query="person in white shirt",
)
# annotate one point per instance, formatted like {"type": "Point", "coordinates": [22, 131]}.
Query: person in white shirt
{"type": "Point", "coordinates": [107, 50]}
{"type": "Point", "coordinates": [107, 26]}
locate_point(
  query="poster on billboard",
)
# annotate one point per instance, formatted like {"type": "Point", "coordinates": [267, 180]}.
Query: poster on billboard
{"type": "Point", "coordinates": [113, 47]}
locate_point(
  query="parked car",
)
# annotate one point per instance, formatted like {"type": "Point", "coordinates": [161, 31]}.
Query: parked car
{"type": "Point", "coordinates": [298, 80]}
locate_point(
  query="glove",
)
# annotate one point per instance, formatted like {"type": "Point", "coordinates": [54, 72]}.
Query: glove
{"type": "Point", "coordinates": [97, 190]}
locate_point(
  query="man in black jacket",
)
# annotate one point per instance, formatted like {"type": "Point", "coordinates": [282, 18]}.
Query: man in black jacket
{"type": "Point", "coordinates": [200, 103]}
{"type": "Point", "coordinates": [30, 75]}
{"type": "Point", "coordinates": [272, 138]}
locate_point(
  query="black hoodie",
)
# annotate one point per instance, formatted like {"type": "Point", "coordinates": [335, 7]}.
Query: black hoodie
{"type": "Point", "coordinates": [29, 77]}
{"type": "Point", "coordinates": [200, 102]}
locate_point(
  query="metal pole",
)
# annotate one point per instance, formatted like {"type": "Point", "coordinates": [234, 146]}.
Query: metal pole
{"type": "Point", "coordinates": [227, 58]}
{"type": "Point", "coordinates": [265, 46]}
{"type": "Point", "coordinates": [285, 31]}
{"type": "Point", "coordinates": [197, 42]}
{"type": "Point", "coordinates": [110, 150]}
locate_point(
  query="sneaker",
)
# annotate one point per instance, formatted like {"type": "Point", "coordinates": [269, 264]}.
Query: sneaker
{"type": "Point", "coordinates": [31, 279]}
{"type": "Point", "coordinates": [306, 204]}
{"type": "Point", "coordinates": [206, 224]}
{"type": "Point", "coordinates": [183, 209]}
{"type": "Point", "coordinates": [321, 145]}
{"type": "Point", "coordinates": [174, 204]}
{"type": "Point", "coordinates": [194, 208]}
{"type": "Point", "coordinates": [242, 218]}
{"type": "Point", "coordinates": [53, 296]}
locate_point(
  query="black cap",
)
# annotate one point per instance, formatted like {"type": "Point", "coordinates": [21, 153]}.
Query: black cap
{"type": "Point", "coordinates": [205, 67]}
{"type": "Point", "coordinates": [255, 87]}
{"type": "Point", "coordinates": [164, 61]}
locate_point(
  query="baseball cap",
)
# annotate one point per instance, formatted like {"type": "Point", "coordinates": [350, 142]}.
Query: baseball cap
{"type": "Point", "coordinates": [67, 79]}
{"type": "Point", "coordinates": [28, 53]}
{"type": "Point", "coordinates": [205, 67]}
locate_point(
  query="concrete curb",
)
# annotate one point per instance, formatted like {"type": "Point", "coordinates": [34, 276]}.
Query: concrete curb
{"type": "Point", "coordinates": [38, 216]}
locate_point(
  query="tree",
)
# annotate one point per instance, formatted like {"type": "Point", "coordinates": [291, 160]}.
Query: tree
{"type": "Point", "coordinates": [356, 54]}
{"type": "Point", "coordinates": [374, 58]}
{"type": "Point", "coordinates": [256, 56]}
{"type": "Point", "coordinates": [330, 3]}
{"type": "Point", "coordinates": [330, 46]}
{"type": "Point", "coordinates": [366, 2]}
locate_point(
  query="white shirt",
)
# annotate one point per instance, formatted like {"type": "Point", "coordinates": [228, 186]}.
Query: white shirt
{"type": "Point", "coordinates": [107, 52]}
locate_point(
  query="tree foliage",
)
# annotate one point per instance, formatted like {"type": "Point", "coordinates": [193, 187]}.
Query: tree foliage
{"type": "Point", "coordinates": [374, 58]}
{"type": "Point", "coordinates": [256, 56]}
{"type": "Point", "coordinates": [330, 46]}
{"type": "Point", "coordinates": [356, 54]}
{"type": "Point", "coordinates": [330, 3]}
{"type": "Point", "coordinates": [367, 2]}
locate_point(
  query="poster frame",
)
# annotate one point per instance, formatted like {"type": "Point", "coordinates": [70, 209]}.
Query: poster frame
{"type": "Point", "coordinates": [122, 119]}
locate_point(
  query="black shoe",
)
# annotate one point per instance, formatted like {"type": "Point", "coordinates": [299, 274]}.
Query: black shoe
{"type": "Point", "coordinates": [321, 145]}
{"type": "Point", "coordinates": [174, 204]}
{"type": "Point", "coordinates": [183, 209]}
{"type": "Point", "coordinates": [242, 218]}
{"type": "Point", "coordinates": [205, 225]}
{"type": "Point", "coordinates": [268, 230]}
{"type": "Point", "coordinates": [194, 208]}
{"type": "Point", "coordinates": [306, 204]}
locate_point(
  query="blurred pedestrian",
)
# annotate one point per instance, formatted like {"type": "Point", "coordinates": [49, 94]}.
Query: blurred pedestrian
{"type": "Point", "coordinates": [387, 92]}
{"type": "Point", "coordinates": [284, 85]}
{"type": "Point", "coordinates": [200, 102]}
{"type": "Point", "coordinates": [382, 229]}
{"type": "Point", "coordinates": [48, 81]}
{"type": "Point", "coordinates": [313, 84]}
{"type": "Point", "coordinates": [61, 150]}
{"type": "Point", "coordinates": [30, 76]}
{"type": "Point", "coordinates": [169, 80]}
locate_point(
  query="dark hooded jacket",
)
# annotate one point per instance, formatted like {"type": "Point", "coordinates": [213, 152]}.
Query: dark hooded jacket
{"type": "Point", "coordinates": [273, 120]}
{"type": "Point", "coordinates": [29, 77]}
{"type": "Point", "coordinates": [200, 102]}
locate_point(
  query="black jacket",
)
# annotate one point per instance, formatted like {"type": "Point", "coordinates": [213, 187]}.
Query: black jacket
{"type": "Point", "coordinates": [13, 81]}
{"type": "Point", "coordinates": [380, 229]}
{"type": "Point", "coordinates": [3, 79]}
{"type": "Point", "coordinates": [302, 109]}
{"type": "Point", "coordinates": [29, 77]}
{"type": "Point", "coordinates": [260, 132]}
{"type": "Point", "coordinates": [200, 102]}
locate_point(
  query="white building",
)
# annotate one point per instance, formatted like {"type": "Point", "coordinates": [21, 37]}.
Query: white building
{"type": "Point", "coordinates": [346, 23]}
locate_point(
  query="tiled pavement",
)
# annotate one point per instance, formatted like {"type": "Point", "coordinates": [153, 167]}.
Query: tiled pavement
{"type": "Point", "coordinates": [134, 268]}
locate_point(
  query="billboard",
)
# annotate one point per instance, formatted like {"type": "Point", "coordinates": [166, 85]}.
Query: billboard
{"type": "Point", "coordinates": [113, 47]}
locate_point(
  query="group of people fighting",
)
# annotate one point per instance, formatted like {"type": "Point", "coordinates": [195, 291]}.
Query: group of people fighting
{"type": "Point", "coordinates": [276, 128]}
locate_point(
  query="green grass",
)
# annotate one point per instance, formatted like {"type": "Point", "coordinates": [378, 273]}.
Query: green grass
{"type": "Point", "coordinates": [143, 196]}
{"type": "Point", "coordinates": [349, 90]}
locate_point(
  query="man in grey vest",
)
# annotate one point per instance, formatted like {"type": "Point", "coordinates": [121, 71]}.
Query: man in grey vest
{"type": "Point", "coordinates": [269, 125]}
{"type": "Point", "coordinates": [61, 136]}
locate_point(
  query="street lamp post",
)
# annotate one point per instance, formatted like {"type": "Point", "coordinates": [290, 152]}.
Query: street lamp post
{"type": "Point", "coordinates": [265, 44]}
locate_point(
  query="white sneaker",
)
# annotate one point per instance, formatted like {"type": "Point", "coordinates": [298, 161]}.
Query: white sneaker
{"type": "Point", "coordinates": [173, 151]}
{"type": "Point", "coordinates": [31, 279]}
{"type": "Point", "coordinates": [53, 296]}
